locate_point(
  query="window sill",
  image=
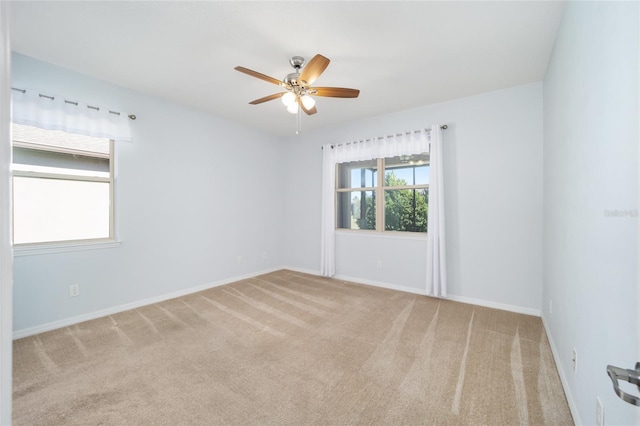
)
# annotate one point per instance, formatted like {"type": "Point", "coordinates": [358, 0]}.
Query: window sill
{"type": "Point", "coordinates": [63, 248]}
{"type": "Point", "coordinates": [387, 234]}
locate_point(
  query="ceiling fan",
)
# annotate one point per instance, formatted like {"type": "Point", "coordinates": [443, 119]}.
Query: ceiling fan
{"type": "Point", "coordinates": [298, 94]}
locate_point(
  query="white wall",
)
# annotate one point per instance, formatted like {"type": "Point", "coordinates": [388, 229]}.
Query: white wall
{"type": "Point", "coordinates": [6, 272]}
{"type": "Point", "coordinates": [493, 184]}
{"type": "Point", "coordinates": [590, 166]}
{"type": "Point", "coordinates": [193, 193]}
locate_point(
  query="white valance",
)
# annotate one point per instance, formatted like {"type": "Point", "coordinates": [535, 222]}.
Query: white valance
{"type": "Point", "coordinates": [52, 112]}
{"type": "Point", "coordinates": [383, 147]}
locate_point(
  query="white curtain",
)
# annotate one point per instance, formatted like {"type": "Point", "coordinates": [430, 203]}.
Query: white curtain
{"type": "Point", "coordinates": [327, 237]}
{"type": "Point", "coordinates": [368, 149]}
{"type": "Point", "coordinates": [436, 259]}
{"type": "Point", "coordinates": [53, 112]}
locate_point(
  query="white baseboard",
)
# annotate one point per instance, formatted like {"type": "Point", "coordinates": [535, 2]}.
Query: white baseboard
{"type": "Point", "coordinates": [562, 374]}
{"type": "Point", "coordinates": [495, 305]}
{"type": "Point", "coordinates": [302, 270]}
{"type": "Point", "coordinates": [25, 332]}
{"type": "Point", "coordinates": [381, 284]}
{"type": "Point", "coordinates": [359, 281]}
{"type": "Point", "coordinates": [461, 299]}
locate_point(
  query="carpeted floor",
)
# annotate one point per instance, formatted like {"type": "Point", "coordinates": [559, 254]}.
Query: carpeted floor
{"type": "Point", "coordinates": [290, 348]}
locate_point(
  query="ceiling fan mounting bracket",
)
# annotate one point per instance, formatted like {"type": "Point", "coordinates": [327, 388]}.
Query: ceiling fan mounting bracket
{"type": "Point", "coordinates": [297, 62]}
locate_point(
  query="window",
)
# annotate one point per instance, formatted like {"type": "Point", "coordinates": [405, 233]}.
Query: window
{"type": "Point", "coordinates": [387, 194]}
{"type": "Point", "coordinates": [62, 187]}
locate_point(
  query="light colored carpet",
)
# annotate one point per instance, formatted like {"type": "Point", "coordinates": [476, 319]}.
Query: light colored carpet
{"type": "Point", "coordinates": [290, 348]}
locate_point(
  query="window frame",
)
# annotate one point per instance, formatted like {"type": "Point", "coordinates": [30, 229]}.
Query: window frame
{"type": "Point", "coordinates": [53, 246]}
{"type": "Point", "coordinates": [379, 191]}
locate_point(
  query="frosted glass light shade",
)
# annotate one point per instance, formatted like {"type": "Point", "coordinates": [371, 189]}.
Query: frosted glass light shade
{"type": "Point", "coordinates": [288, 98]}
{"type": "Point", "coordinates": [308, 101]}
{"type": "Point", "coordinates": [293, 108]}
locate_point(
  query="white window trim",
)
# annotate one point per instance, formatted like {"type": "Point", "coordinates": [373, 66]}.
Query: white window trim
{"type": "Point", "coordinates": [370, 233]}
{"type": "Point", "coordinates": [63, 247]}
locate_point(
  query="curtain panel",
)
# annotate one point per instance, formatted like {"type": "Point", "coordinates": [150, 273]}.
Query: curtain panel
{"type": "Point", "coordinates": [436, 256]}
{"type": "Point", "coordinates": [327, 226]}
{"type": "Point", "coordinates": [32, 108]}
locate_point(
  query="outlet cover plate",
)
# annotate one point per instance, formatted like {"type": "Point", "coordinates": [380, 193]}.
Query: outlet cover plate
{"type": "Point", "coordinates": [74, 290]}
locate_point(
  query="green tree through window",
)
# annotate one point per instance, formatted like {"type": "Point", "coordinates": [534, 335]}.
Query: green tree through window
{"type": "Point", "coordinates": [405, 209]}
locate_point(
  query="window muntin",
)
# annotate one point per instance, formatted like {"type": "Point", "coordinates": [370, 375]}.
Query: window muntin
{"type": "Point", "coordinates": [62, 187]}
{"type": "Point", "coordinates": [396, 199]}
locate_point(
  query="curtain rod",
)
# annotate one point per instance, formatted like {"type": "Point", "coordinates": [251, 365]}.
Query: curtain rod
{"type": "Point", "coordinates": [131, 116]}
{"type": "Point", "coordinates": [443, 127]}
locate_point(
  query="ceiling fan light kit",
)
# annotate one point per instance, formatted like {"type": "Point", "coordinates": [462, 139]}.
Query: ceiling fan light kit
{"type": "Point", "coordinates": [298, 97]}
{"type": "Point", "coordinates": [293, 108]}
{"type": "Point", "coordinates": [288, 99]}
{"type": "Point", "coordinates": [308, 101]}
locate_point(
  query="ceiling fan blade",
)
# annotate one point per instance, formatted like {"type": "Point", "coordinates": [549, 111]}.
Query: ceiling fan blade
{"type": "Point", "coordinates": [267, 98]}
{"type": "Point", "coordinates": [312, 70]}
{"type": "Point", "coordinates": [259, 75]}
{"type": "Point", "coordinates": [334, 92]}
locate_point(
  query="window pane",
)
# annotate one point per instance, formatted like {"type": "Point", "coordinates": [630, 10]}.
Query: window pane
{"type": "Point", "coordinates": [59, 210]}
{"type": "Point", "coordinates": [358, 174]}
{"type": "Point", "coordinates": [38, 160]}
{"type": "Point", "coordinates": [406, 210]}
{"type": "Point", "coordinates": [356, 210]}
{"type": "Point", "coordinates": [407, 170]}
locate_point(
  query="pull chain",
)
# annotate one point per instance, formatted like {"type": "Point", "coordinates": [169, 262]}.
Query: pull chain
{"type": "Point", "coordinates": [299, 121]}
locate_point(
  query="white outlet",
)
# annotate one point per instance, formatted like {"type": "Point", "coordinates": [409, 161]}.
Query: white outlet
{"type": "Point", "coordinates": [379, 264]}
{"type": "Point", "coordinates": [599, 412]}
{"type": "Point", "coordinates": [239, 260]}
{"type": "Point", "coordinates": [575, 360]}
{"type": "Point", "coordinates": [265, 255]}
{"type": "Point", "coordinates": [74, 290]}
{"type": "Point", "coordinates": [550, 306]}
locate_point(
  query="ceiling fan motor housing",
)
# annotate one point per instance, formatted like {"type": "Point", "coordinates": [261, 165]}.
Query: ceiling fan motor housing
{"type": "Point", "coordinates": [292, 78]}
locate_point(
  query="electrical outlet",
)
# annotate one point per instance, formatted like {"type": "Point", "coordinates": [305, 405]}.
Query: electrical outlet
{"type": "Point", "coordinates": [599, 412]}
{"type": "Point", "coordinates": [74, 290]}
{"type": "Point", "coordinates": [379, 264]}
{"type": "Point", "coordinates": [575, 360]}
{"type": "Point", "coordinates": [239, 260]}
{"type": "Point", "coordinates": [265, 255]}
{"type": "Point", "coordinates": [550, 306]}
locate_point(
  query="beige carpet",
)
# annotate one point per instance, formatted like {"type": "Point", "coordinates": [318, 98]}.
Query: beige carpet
{"type": "Point", "coordinates": [290, 348]}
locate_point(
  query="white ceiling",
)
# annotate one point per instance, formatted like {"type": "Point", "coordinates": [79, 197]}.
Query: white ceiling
{"type": "Point", "coordinates": [401, 55]}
